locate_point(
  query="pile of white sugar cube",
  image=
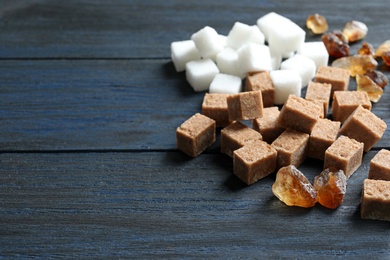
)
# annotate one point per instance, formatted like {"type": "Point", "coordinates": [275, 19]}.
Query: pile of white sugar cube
{"type": "Point", "coordinates": [218, 63]}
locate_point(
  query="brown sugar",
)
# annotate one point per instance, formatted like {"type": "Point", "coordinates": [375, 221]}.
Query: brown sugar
{"type": "Point", "coordinates": [245, 105]}
{"type": "Point", "coordinates": [215, 107]}
{"type": "Point", "coordinates": [300, 114]}
{"type": "Point", "coordinates": [345, 102]}
{"type": "Point", "coordinates": [324, 134]}
{"type": "Point", "coordinates": [195, 135]}
{"type": "Point", "coordinates": [380, 166]}
{"type": "Point", "coordinates": [261, 80]}
{"type": "Point", "coordinates": [320, 92]}
{"type": "Point", "coordinates": [254, 161]}
{"type": "Point", "coordinates": [235, 136]}
{"type": "Point", "coordinates": [268, 124]}
{"type": "Point", "coordinates": [337, 77]}
{"type": "Point", "coordinates": [344, 154]}
{"type": "Point", "coordinates": [292, 147]}
{"type": "Point", "coordinates": [375, 200]}
{"type": "Point", "coordinates": [364, 126]}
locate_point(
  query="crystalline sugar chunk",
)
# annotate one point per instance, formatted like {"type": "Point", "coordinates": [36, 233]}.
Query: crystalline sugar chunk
{"type": "Point", "coordinates": [227, 62]}
{"type": "Point", "coordinates": [226, 84]}
{"type": "Point", "coordinates": [293, 188]}
{"type": "Point", "coordinates": [242, 34]}
{"type": "Point", "coordinates": [365, 83]}
{"type": "Point", "coordinates": [317, 23]}
{"type": "Point", "coordinates": [331, 187]}
{"type": "Point", "coordinates": [201, 73]}
{"type": "Point", "coordinates": [336, 44]}
{"type": "Point", "coordinates": [355, 30]}
{"type": "Point", "coordinates": [316, 51]}
{"type": "Point", "coordinates": [384, 47]}
{"type": "Point", "coordinates": [357, 64]}
{"type": "Point", "coordinates": [254, 57]}
{"type": "Point", "coordinates": [286, 82]}
{"type": "Point", "coordinates": [183, 52]}
{"type": "Point", "coordinates": [208, 42]}
{"type": "Point", "coordinates": [305, 67]}
{"type": "Point", "coordinates": [267, 23]}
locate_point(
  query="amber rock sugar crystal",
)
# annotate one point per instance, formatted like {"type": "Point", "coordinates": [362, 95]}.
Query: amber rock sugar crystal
{"type": "Point", "coordinates": [317, 23]}
{"type": "Point", "coordinates": [385, 46]}
{"type": "Point", "coordinates": [365, 83]}
{"type": "Point", "coordinates": [378, 77]}
{"type": "Point", "coordinates": [386, 57]}
{"type": "Point", "coordinates": [336, 44]}
{"type": "Point", "coordinates": [366, 49]}
{"type": "Point", "coordinates": [293, 188]}
{"type": "Point", "coordinates": [355, 31]}
{"type": "Point", "coordinates": [331, 187]}
{"type": "Point", "coordinates": [357, 64]}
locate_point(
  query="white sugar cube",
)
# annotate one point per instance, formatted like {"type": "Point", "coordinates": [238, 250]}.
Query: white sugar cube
{"type": "Point", "coordinates": [200, 74]}
{"type": "Point", "coordinates": [242, 34]}
{"type": "Point", "coordinates": [208, 42]}
{"type": "Point", "coordinates": [226, 84]}
{"type": "Point", "coordinates": [315, 51]}
{"type": "Point", "coordinates": [254, 57]}
{"type": "Point", "coordinates": [223, 39]}
{"type": "Point", "coordinates": [305, 67]}
{"type": "Point", "coordinates": [286, 37]}
{"type": "Point", "coordinates": [267, 22]}
{"type": "Point", "coordinates": [227, 62]}
{"type": "Point", "coordinates": [183, 52]}
{"type": "Point", "coordinates": [286, 82]}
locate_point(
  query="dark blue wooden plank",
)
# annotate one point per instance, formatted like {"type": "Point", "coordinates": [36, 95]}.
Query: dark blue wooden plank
{"type": "Point", "coordinates": [165, 204]}
{"type": "Point", "coordinates": [139, 29]}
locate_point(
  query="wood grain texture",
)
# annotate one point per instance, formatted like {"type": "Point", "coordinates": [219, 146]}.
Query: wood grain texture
{"type": "Point", "coordinates": [89, 104]}
{"type": "Point", "coordinates": [165, 204]}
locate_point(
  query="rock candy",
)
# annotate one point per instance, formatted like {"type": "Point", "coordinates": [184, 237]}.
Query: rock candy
{"type": "Point", "coordinates": [317, 23]}
{"type": "Point", "coordinates": [355, 31]}
{"type": "Point", "coordinates": [336, 44]}
{"type": "Point", "coordinates": [331, 187]}
{"type": "Point", "coordinates": [357, 64]}
{"type": "Point", "coordinates": [365, 83]}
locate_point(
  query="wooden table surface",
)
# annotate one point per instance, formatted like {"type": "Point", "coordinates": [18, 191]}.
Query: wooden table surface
{"type": "Point", "coordinates": [89, 105]}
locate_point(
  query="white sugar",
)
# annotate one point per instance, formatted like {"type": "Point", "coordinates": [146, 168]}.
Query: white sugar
{"type": "Point", "coordinates": [227, 62]}
{"type": "Point", "coordinates": [208, 42]}
{"type": "Point", "coordinates": [305, 67]}
{"type": "Point", "coordinates": [226, 84]}
{"type": "Point", "coordinates": [201, 73]}
{"type": "Point", "coordinates": [286, 82]}
{"type": "Point", "coordinates": [254, 57]}
{"type": "Point", "coordinates": [242, 34]}
{"type": "Point", "coordinates": [315, 51]}
{"type": "Point", "coordinates": [183, 52]}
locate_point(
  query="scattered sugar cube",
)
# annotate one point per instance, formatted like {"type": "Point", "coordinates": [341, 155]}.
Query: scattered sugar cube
{"type": "Point", "coordinates": [223, 39]}
{"type": "Point", "coordinates": [345, 102]}
{"type": "Point", "coordinates": [195, 134]}
{"type": "Point", "coordinates": [324, 134]}
{"type": "Point", "coordinates": [380, 166]}
{"type": "Point", "coordinates": [364, 126]}
{"type": "Point", "coordinates": [345, 154]}
{"type": "Point", "coordinates": [292, 147]}
{"type": "Point", "coordinates": [286, 82]}
{"type": "Point", "coordinates": [337, 77]}
{"type": "Point", "coordinates": [245, 105]}
{"type": "Point", "coordinates": [315, 51]}
{"type": "Point", "coordinates": [320, 92]}
{"type": "Point", "coordinates": [215, 107]}
{"type": "Point", "coordinates": [267, 22]}
{"type": "Point", "coordinates": [267, 125]}
{"type": "Point", "coordinates": [201, 73]}
{"type": "Point", "coordinates": [242, 34]}
{"type": "Point", "coordinates": [227, 62]}
{"type": "Point", "coordinates": [235, 136]}
{"type": "Point", "coordinates": [254, 57]}
{"type": "Point", "coordinates": [261, 80]}
{"type": "Point", "coordinates": [208, 42]}
{"type": "Point", "coordinates": [254, 161]}
{"type": "Point", "coordinates": [375, 203]}
{"type": "Point", "coordinates": [226, 84]}
{"type": "Point", "coordinates": [183, 52]}
{"type": "Point", "coordinates": [305, 67]}
{"type": "Point", "coordinates": [300, 114]}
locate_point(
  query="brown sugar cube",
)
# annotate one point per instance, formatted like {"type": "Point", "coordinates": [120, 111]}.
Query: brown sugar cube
{"type": "Point", "coordinates": [268, 125]}
{"type": "Point", "coordinates": [300, 114]}
{"type": "Point", "coordinates": [235, 136]}
{"type": "Point", "coordinates": [345, 102]}
{"type": "Point", "coordinates": [364, 126]}
{"type": "Point", "coordinates": [292, 147]}
{"type": "Point", "coordinates": [321, 92]}
{"type": "Point", "coordinates": [195, 134]}
{"type": "Point", "coordinates": [344, 154]}
{"type": "Point", "coordinates": [254, 161]}
{"type": "Point", "coordinates": [261, 80]}
{"type": "Point", "coordinates": [375, 200]}
{"type": "Point", "coordinates": [380, 166]}
{"type": "Point", "coordinates": [337, 77]}
{"type": "Point", "coordinates": [324, 134]}
{"type": "Point", "coordinates": [215, 107]}
{"type": "Point", "coordinates": [245, 105]}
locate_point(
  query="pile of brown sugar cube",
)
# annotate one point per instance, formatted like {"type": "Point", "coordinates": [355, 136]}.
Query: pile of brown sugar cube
{"type": "Point", "coordinates": [281, 138]}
